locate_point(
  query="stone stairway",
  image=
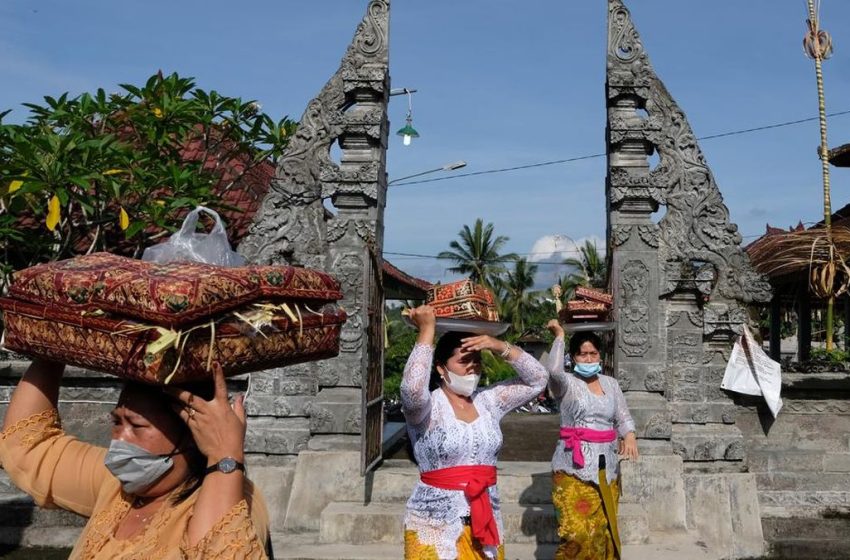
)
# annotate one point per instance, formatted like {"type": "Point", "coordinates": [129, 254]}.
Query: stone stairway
{"type": "Point", "coordinates": [358, 530]}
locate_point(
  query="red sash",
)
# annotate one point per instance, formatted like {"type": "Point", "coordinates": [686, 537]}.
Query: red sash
{"type": "Point", "coordinates": [474, 481]}
{"type": "Point", "coordinates": [573, 437]}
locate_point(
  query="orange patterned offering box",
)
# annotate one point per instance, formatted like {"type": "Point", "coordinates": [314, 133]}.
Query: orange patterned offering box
{"type": "Point", "coordinates": [165, 323]}
{"type": "Point", "coordinates": [462, 300]}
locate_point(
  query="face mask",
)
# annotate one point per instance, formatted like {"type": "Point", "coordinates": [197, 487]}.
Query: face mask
{"type": "Point", "coordinates": [588, 370]}
{"type": "Point", "coordinates": [136, 468]}
{"type": "Point", "coordinates": [463, 385]}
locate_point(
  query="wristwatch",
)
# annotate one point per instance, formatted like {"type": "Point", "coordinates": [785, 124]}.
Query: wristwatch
{"type": "Point", "coordinates": [226, 466]}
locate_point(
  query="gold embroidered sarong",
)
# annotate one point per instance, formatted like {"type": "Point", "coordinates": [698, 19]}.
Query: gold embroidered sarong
{"type": "Point", "coordinates": [583, 527]}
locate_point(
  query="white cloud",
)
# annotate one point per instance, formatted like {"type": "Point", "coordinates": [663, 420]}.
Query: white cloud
{"type": "Point", "coordinates": [548, 253]}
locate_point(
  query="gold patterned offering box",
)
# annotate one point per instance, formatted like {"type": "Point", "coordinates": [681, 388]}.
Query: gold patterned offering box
{"type": "Point", "coordinates": [161, 323]}
{"type": "Point", "coordinates": [462, 300]}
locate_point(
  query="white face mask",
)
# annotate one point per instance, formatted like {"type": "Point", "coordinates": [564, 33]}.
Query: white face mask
{"type": "Point", "coordinates": [463, 385]}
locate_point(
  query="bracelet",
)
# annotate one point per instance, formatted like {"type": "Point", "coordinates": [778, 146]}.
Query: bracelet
{"type": "Point", "coordinates": [507, 351]}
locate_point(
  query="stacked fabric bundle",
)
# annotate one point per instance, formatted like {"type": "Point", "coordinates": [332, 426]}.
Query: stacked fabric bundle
{"type": "Point", "coordinates": [462, 300]}
{"type": "Point", "coordinates": [589, 305]}
{"type": "Point", "coordinates": [159, 323]}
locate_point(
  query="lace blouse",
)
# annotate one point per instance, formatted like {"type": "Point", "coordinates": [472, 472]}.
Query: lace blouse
{"type": "Point", "coordinates": [59, 471]}
{"type": "Point", "coordinates": [581, 408]}
{"type": "Point", "coordinates": [440, 440]}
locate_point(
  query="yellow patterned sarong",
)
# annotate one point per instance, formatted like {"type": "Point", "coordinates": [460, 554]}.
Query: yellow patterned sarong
{"type": "Point", "coordinates": [467, 548]}
{"type": "Point", "coordinates": [582, 524]}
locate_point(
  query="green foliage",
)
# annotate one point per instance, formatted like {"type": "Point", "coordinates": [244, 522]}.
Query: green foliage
{"type": "Point", "coordinates": [834, 356]}
{"type": "Point", "coordinates": [110, 172]}
{"type": "Point", "coordinates": [477, 253]}
{"type": "Point", "coordinates": [592, 270]}
{"type": "Point", "coordinates": [494, 369]}
{"type": "Point", "coordinates": [401, 339]}
{"type": "Point", "coordinates": [517, 299]}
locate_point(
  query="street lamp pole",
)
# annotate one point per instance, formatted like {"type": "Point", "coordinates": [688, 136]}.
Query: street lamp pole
{"type": "Point", "coordinates": [448, 167]}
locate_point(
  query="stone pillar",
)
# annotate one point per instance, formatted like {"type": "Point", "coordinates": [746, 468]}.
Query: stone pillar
{"type": "Point", "coordinates": [320, 405]}
{"type": "Point", "coordinates": [776, 327]}
{"type": "Point", "coordinates": [681, 284]}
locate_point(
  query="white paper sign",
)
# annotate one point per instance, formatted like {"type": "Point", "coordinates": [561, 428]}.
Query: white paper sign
{"type": "Point", "coordinates": [751, 371]}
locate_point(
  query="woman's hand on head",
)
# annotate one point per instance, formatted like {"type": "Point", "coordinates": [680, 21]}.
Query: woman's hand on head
{"type": "Point", "coordinates": [555, 328]}
{"type": "Point", "coordinates": [218, 427]}
{"type": "Point", "coordinates": [628, 447]}
{"type": "Point", "coordinates": [484, 342]}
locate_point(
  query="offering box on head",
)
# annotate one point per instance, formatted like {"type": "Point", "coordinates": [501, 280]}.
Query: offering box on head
{"type": "Point", "coordinates": [590, 305]}
{"type": "Point", "coordinates": [166, 323]}
{"type": "Point", "coordinates": [462, 300]}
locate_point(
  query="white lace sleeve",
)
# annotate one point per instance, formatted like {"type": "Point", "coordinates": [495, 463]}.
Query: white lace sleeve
{"type": "Point", "coordinates": [513, 393]}
{"type": "Point", "coordinates": [415, 395]}
{"type": "Point", "coordinates": [622, 417]}
{"type": "Point", "coordinates": [557, 375]}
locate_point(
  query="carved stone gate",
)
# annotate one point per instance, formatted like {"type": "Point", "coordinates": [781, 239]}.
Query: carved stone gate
{"type": "Point", "coordinates": [329, 215]}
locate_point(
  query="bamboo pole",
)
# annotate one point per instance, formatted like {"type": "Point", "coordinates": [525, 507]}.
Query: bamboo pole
{"type": "Point", "coordinates": [818, 47]}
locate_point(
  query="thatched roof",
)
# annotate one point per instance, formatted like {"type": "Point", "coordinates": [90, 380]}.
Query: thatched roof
{"type": "Point", "coordinates": [840, 156]}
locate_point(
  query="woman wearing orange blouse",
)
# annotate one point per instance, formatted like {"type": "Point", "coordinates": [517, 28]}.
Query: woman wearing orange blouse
{"type": "Point", "coordinates": [171, 484]}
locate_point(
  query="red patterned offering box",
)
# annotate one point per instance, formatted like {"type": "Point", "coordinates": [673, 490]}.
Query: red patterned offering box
{"type": "Point", "coordinates": [462, 300]}
{"type": "Point", "coordinates": [171, 295]}
{"type": "Point", "coordinates": [595, 295]}
{"type": "Point", "coordinates": [156, 323]}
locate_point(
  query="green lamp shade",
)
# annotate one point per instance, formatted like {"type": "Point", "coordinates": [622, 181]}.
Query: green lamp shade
{"type": "Point", "coordinates": [408, 130]}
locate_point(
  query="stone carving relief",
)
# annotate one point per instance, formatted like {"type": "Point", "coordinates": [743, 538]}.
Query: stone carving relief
{"type": "Point", "coordinates": [292, 225]}
{"type": "Point", "coordinates": [321, 419]}
{"type": "Point", "coordinates": [634, 337]}
{"type": "Point", "coordinates": [658, 426]}
{"type": "Point", "coordinates": [696, 225]}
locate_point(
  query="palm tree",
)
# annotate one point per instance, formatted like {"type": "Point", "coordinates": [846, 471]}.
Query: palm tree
{"type": "Point", "coordinates": [477, 253]}
{"type": "Point", "coordinates": [518, 300]}
{"type": "Point", "coordinates": [591, 272]}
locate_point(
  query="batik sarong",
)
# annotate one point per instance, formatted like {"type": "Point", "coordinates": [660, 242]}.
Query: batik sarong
{"type": "Point", "coordinates": [468, 548]}
{"type": "Point", "coordinates": [582, 523]}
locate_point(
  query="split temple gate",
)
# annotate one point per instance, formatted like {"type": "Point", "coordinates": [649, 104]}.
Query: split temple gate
{"type": "Point", "coordinates": [716, 479]}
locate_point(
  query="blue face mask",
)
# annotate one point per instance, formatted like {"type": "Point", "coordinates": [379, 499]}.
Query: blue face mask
{"type": "Point", "coordinates": [587, 370]}
{"type": "Point", "coordinates": [136, 468]}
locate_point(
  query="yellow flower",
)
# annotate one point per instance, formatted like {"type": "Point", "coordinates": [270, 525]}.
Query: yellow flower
{"type": "Point", "coordinates": [113, 171]}
{"type": "Point", "coordinates": [53, 213]}
{"type": "Point", "coordinates": [157, 112]}
{"type": "Point", "coordinates": [15, 185]}
{"type": "Point", "coordinates": [159, 202]}
{"type": "Point", "coordinates": [123, 219]}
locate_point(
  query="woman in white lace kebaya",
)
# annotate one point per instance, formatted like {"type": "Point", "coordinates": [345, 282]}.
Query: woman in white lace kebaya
{"type": "Point", "coordinates": [454, 510]}
{"type": "Point", "coordinates": [594, 416]}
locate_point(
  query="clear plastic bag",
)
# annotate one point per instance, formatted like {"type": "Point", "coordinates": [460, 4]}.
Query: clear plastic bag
{"type": "Point", "coordinates": [189, 245]}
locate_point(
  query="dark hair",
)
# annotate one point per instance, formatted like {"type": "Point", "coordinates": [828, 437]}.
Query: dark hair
{"type": "Point", "coordinates": [163, 402]}
{"type": "Point", "coordinates": [580, 338]}
{"type": "Point", "coordinates": [446, 346]}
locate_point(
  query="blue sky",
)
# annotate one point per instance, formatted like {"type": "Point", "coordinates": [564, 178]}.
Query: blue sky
{"type": "Point", "coordinates": [500, 84]}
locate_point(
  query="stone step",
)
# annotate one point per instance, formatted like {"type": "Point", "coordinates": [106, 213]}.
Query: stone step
{"type": "Point", "coordinates": [519, 482]}
{"type": "Point", "coordinates": [814, 528]}
{"type": "Point", "coordinates": [708, 442]}
{"type": "Point", "coordinates": [633, 524]}
{"type": "Point", "coordinates": [815, 500]}
{"type": "Point", "coordinates": [656, 483]}
{"type": "Point", "coordinates": [811, 481]}
{"type": "Point", "coordinates": [651, 414]}
{"type": "Point", "coordinates": [348, 522]}
{"type": "Point", "coordinates": [24, 524]}
{"type": "Point", "coordinates": [811, 549]}
{"type": "Point", "coordinates": [664, 546]}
